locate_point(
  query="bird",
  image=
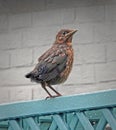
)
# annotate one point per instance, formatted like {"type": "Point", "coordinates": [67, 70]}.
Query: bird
{"type": "Point", "coordinates": [55, 65]}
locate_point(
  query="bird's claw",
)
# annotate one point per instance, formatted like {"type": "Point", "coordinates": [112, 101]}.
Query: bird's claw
{"type": "Point", "coordinates": [52, 96]}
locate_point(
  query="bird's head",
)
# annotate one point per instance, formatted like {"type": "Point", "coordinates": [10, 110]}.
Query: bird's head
{"type": "Point", "coordinates": [64, 36]}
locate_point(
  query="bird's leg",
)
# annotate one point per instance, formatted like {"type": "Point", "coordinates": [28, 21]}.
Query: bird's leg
{"type": "Point", "coordinates": [58, 94]}
{"type": "Point", "coordinates": [44, 87]}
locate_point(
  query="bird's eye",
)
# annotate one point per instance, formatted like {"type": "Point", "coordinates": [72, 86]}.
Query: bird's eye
{"type": "Point", "coordinates": [64, 33]}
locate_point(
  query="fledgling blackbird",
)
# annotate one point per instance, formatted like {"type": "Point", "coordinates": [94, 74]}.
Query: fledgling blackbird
{"type": "Point", "coordinates": [55, 65]}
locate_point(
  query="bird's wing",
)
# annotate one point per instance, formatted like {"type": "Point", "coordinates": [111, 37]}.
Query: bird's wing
{"type": "Point", "coordinates": [51, 64]}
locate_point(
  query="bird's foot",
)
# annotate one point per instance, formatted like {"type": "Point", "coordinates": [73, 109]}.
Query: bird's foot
{"type": "Point", "coordinates": [53, 96]}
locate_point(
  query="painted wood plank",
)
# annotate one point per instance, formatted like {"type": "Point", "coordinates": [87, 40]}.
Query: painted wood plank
{"type": "Point", "coordinates": [110, 118]}
{"type": "Point", "coordinates": [57, 105]}
{"type": "Point", "coordinates": [73, 123]}
{"type": "Point", "coordinates": [53, 126]}
{"type": "Point", "coordinates": [60, 123]}
{"type": "Point", "coordinates": [101, 124]}
{"type": "Point", "coordinates": [14, 125]}
{"type": "Point", "coordinates": [31, 123]}
{"type": "Point", "coordinates": [84, 121]}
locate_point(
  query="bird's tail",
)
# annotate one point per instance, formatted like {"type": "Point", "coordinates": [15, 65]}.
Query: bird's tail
{"type": "Point", "coordinates": [29, 75]}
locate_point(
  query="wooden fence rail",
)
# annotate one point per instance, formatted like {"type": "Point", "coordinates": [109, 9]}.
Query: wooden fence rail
{"type": "Point", "coordinates": [93, 111]}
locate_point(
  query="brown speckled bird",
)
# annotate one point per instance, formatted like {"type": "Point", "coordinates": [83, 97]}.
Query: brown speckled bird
{"type": "Point", "coordinates": [55, 65]}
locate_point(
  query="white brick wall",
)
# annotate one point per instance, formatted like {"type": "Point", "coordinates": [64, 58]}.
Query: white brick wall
{"type": "Point", "coordinates": [105, 72]}
{"type": "Point", "coordinates": [10, 40]}
{"type": "Point", "coordinates": [21, 57]}
{"type": "Point", "coordinates": [85, 33]}
{"type": "Point", "coordinates": [20, 20]}
{"type": "Point", "coordinates": [111, 52]}
{"type": "Point", "coordinates": [50, 17]}
{"type": "Point", "coordinates": [21, 93]}
{"type": "Point", "coordinates": [14, 76]}
{"type": "Point", "coordinates": [4, 59]}
{"type": "Point", "coordinates": [28, 28]}
{"type": "Point", "coordinates": [91, 53]}
{"type": "Point", "coordinates": [90, 14]}
{"type": "Point", "coordinates": [3, 23]}
{"type": "Point", "coordinates": [110, 13]}
{"type": "Point", "coordinates": [82, 74]}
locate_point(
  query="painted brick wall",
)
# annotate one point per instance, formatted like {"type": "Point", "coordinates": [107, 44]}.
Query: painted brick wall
{"type": "Point", "coordinates": [28, 28]}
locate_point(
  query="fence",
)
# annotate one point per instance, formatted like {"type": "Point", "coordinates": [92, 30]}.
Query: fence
{"type": "Point", "coordinates": [93, 111]}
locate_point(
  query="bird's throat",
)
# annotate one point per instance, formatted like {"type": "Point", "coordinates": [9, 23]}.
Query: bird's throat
{"type": "Point", "coordinates": [69, 43]}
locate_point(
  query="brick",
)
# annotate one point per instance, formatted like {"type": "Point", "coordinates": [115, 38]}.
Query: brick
{"type": "Point", "coordinates": [54, 4]}
{"type": "Point", "coordinates": [38, 51]}
{"type": "Point", "coordinates": [111, 52]}
{"type": "Point", "coordinates": [81, 74]}
{"type": "Point", "coordinates": [68, 15]}
{"type": "Point", "coordinates": [21, 57]}
{"type": "Point", "coordinates": [39, 36]}
{"type": "Point", "coordinates": [20, 20]}
{"type": "Point", "coordinates": [112, 2]}
{"type": "Point", "coordinates": [4, 95]}
{"type": "Point", "coordinates": [49, 17]}
{"type": "Point", "coordinates": [3, 23]}
{"type": "Point", "coordinates": [25, 6]}
{"type": "Point", "coordinates": [90, 14]}
{"type": "Point", "coordinates": [20, 93]}
{"type": "Point", "coordinates": [38, 5]}
{"type": "Point", "coordinates": [76, 89]}
{"type": "Point", "coordinates": [113, 31]}
{"type": "Point", "coordinates": [14, 76]}
{"type": "Point", "coordinates": [39, 92]}
{"type": "Point", "coordinates": [106, 85]}
{"type": "Point", "coordinates": [103, 32]}
{"type": "Point", "coordinates": [110, 12]}
{"type": "Point", "coordinates": [10, 40]}
{"type": "Point", "coordinates": [105, 72]}
{"type": "Point", "coordinates": [3, 9]}
{"type": "Point", "coordinates": [91, 53]}
{"type": "Point", "coordinates": [85, 88]}
{"type": "Point", "coordinates": [4, 59]}
{"type": "Point", "coordinates": [77, 56]}
{"type": "Point", "coordinates": [70, 26]}
{"type": "Point", "coordinates": [30, 38]}
{"type": "Point", "coordinates": [85, 33]}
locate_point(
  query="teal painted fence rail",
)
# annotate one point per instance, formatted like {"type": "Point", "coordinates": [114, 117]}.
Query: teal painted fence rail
{"type": "Point", "coordinates": [92, 111]}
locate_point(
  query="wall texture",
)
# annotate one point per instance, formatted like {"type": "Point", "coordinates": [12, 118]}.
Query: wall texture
{"type": "Point", "coordinates": [28, 28]}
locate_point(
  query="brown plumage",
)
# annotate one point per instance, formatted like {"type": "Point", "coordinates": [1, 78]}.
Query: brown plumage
{"type": "Point", "coordinates": [55, 64]}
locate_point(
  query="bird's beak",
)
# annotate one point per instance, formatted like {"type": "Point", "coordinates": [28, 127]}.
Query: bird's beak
{"type": "Point", "coordinates": [71, 33]}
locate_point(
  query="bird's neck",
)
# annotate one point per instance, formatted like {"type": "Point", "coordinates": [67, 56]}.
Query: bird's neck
{"type": "Point", "coordinates": [67, 43]}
